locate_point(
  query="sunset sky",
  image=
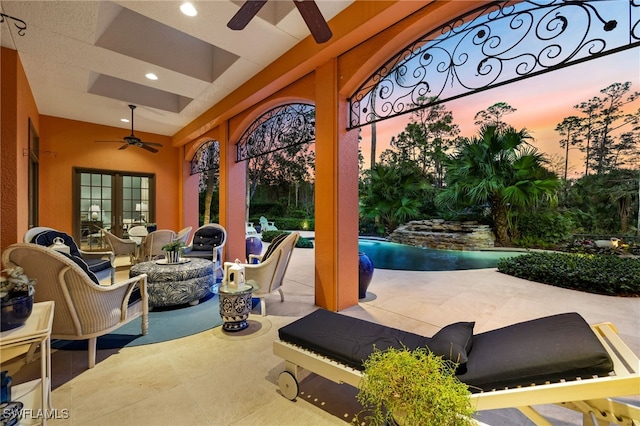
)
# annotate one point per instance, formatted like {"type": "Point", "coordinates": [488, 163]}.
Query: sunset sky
{"type": "Point", "coordinates": [541, 102]}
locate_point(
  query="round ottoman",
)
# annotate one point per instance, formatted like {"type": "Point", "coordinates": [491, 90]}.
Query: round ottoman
{"type": "Point", "coordinates": [176, 284]}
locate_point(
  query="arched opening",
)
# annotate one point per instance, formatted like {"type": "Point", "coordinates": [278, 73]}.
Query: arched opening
{"type": "Point", "coordinates": [206, 164]}
{"type": "Point", "coordinates": [280, 162]}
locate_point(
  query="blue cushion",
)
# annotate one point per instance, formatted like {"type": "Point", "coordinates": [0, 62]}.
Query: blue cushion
{"type": "Point", "coordinates": [46, 238]}
{"type": "Point", "coordinates": [207, 239]}
{"type": "Point", "coordinates": [83, 265]}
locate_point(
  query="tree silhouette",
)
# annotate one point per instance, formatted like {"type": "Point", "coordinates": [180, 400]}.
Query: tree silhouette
{"type": "Point", "coordinates": [569, 129]}
{"type": "Point", "coordinates": [605, 151]}
{"type": "Point", "coordinates": [493, 116]}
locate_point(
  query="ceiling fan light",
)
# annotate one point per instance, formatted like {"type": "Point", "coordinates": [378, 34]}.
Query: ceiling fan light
{"type": "Point", "coordinates": [188, 9]}
{"type": "Point", "coordinates": [151, 76]}
{"type": "Point", "coordinates": [124, 120]}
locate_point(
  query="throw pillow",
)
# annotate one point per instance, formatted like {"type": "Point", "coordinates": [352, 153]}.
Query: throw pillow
{"type": "Point", "coordinates": [454, 342]}
{"type": "Point", "coordinates": [274, 245]}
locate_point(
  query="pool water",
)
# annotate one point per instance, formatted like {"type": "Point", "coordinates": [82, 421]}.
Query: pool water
{"type": "Point", "coordinates": [387, 255]}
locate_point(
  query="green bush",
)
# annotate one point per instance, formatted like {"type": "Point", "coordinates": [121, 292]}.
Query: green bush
{"type": "Point", "coordinates": [601, 274]}
{"type": "Point", "coordinates": [282, 223]}
{"type": "Point", "coordinates": [542, 229]}
{"type": "Point", "coordinates": [268, 236]}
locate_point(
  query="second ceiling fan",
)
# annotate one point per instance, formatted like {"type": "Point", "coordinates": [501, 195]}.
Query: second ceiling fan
{"type": "Point", "coordinates": [308, 9]}
{"type": "Point", "coordinates": [133, 140]}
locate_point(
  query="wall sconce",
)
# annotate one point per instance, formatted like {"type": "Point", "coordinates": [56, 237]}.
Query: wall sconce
{"type": "Point", "coordinates": [94, 210]}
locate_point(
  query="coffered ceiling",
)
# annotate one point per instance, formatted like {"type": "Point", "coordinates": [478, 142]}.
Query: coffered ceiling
{"type": "Point", "coordinates": [87, 60]}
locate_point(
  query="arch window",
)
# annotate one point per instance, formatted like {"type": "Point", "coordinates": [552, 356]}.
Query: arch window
{"type": "Point", "coordinates": [498, 43]}
{"type": "Point", "coordinates": [279, 128]}
{"type": "Point", "coordinates": [206, 158]}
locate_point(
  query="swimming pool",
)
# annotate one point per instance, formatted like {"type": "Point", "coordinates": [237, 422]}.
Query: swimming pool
{"type": "Point", "coordinates": [387, 255]}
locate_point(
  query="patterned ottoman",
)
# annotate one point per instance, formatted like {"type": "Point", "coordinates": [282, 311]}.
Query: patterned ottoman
{"type": "Point", "coordinates": [176, 284]}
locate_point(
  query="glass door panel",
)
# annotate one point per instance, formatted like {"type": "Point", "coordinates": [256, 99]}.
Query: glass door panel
{"type": "Point", "coordinates": [110, 200]}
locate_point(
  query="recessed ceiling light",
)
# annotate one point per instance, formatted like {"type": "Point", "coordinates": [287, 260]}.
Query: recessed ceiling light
{"type": "Point", "coordinates": [124, 120]}
{"type": "Point", "coordinates": [188, 9]}
{"type": "Point", "coordinates": [151, 76]}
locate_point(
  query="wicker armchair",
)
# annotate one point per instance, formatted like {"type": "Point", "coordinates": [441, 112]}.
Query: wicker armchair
{"type": "Point", "coordinates": [208, 243]}
{"type": "Point", "coordinates": [184, 234]}
{"type": "Point", "coordinates": [269, 273]}
{"type": "Point", "coordinates": [120, 246]}
{"type": "Point", "coordinates": [151, 247]}
{"type": "Point", "coordinates": [84, 310]}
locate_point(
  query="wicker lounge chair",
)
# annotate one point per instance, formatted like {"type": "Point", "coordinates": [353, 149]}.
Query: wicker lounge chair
{"type": "Point", "coordinates": [84, 309]}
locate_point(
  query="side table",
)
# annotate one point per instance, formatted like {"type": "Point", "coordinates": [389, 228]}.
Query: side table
{"type": "Point", "coordinates": [235, 305]}
{"type": "Point", "coordinates": [36, 394]}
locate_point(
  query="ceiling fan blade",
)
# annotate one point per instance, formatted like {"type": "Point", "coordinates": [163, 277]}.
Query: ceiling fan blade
{"type": "Point", "coordinates": [314, 20]}
{"type": "Point", "coordinates": [246, 13]}
{"type": "Point", "coordinates": [148, 148]}
{"type": "Point", "coordinates": [125, 146]}
{"type": "Point", "coordinates": [152, 143]}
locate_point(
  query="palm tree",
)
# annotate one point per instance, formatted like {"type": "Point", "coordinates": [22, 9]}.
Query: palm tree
{"type": "Point", "coordinates": [499, 168]}
{"type": "Point", "coordinates": [393, 195]}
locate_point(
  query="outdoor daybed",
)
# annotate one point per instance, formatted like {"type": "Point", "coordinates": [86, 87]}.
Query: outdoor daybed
{"type": "Point", "coordinates": [558, 359]}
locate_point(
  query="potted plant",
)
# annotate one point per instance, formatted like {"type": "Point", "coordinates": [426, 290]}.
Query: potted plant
{"type": "Point", "coordinates": [173, 251]}
{"type": "Point", "coordinates": [16, 294]}
{"type": "Point", "coordinates": [413, 388]}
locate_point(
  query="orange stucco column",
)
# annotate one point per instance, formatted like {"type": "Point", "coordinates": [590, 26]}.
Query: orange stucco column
{"type": "Point", "coordinates": [233, 178]}
{"type": "Point", "coordinates": [336, 216]}
{"type": "Point", "coordinates": [189, 192]}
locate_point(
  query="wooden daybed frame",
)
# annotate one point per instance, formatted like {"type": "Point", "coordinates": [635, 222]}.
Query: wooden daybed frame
{"type": "Point", "coordinates": [590, 396]}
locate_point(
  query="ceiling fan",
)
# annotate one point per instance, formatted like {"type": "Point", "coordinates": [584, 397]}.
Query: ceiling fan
{"type": "Point", "coordinates": [307, 8]}
{"type": "Point", "coordinates": [132, 140]}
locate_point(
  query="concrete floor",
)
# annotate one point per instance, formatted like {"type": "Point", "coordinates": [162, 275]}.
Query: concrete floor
{"type": "Point", "coordinates": [217, 379]}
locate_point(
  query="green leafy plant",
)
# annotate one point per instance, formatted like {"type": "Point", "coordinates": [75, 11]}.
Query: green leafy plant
{"type": "Point", "coordinates": [413, 388]}
{"type": "Point", "coordinates": [542, 229]}
{"type": "Point", "coordinates": [174, 246]}
{"type": "Point", "coordinates": [593, 273]}
{"type": "Point", "coordinates": [268, 236]}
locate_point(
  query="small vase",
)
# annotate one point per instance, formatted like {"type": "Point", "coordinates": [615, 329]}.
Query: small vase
{"type": "Point", "coordinates": [16, 312]}
{"type": "Point", "coordinates": [173, 256]}
{"type": "Point", "coordinates": [365, 274]}
{"type": "Point", "coordinates": [254, 246]}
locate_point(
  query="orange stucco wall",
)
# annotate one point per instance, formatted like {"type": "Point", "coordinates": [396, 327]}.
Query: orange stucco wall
{"type": "Point", "coordinates": [71, 144]}
{"type": "Point", "coordinates": [17, 109]}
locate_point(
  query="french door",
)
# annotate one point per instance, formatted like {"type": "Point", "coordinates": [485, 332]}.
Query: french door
{"type": "Point", "coordinates": [111, 200]}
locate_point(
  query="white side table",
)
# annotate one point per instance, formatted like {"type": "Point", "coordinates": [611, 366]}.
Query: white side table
{"type": "Point", "coordinates": [36, 394]}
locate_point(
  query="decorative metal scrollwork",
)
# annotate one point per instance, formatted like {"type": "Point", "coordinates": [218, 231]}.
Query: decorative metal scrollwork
{"type": "Point", "coordinates": [19, 23]}
{"type": "Point", "coordinates": [278, 128]}
{"type": "Point", "coordinates": [498, 43]}
{"type": "Point", "coordinates": [206, 158]}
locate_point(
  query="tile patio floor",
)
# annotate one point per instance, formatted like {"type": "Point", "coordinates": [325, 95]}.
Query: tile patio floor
{"type": "Point", "coordinates": [214, 379]}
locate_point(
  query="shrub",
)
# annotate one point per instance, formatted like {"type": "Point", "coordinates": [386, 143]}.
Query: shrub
{"type": "Point", "coordinates": [601, 274]}
{"type": "Point", "coordinates": [400, 386]}
{"type": "Point", "coordinates": [268, 236]}
{"type": "Point", "coordinates": [542, 229]}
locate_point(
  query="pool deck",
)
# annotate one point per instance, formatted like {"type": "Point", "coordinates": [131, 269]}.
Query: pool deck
{"type": "Point", "coordinates": [425, 301]}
